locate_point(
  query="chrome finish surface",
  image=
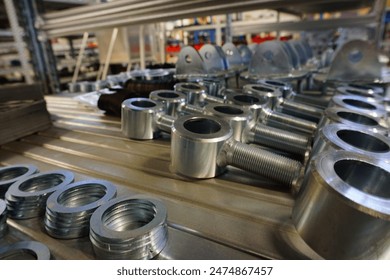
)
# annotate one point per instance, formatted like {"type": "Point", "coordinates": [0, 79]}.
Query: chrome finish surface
{"type": "Point", "coordinates": [138, 118]}
{"type": "Point", "coordinates": [11, 174]}
{"type": "Point", "coordinates": [23, 250]}
{"type": "Point", "coordinates": [252, 102]}
{"type": "Point", "coordinates": [27, 197]}
{"type": "Point", "coordinates": [196, 142]}
{"type": "Point", "coordinates": [360, 91]}
{"type": "Point", "coordinates": [194, 92]}
{"type": "Point", "coordinates": [237, 116]}
{"type": "Point", "coordinates": [284, 87]}
{"type": "Point", "coordinates": [131, 227]}
{"type": "Point", "coordinates": [171, 99]}
{"type": "Point", "coordinates": [343, 208]}
{"type": "Point", "coordinates": [352, 118]}
{"type": "Point", "coordinates": [359, 104]}
{"type": "Point", "coordinates": [3, 218]}
{"type": "Point", "coordinates": [69, 209]}
{"type": "Point", "coordinates": [272, 93]}
{"type": "Point", "coordinates": [343, 137]}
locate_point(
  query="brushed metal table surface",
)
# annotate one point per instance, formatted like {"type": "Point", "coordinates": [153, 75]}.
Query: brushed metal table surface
{"type": "Point", "coordinates": [235, 216]}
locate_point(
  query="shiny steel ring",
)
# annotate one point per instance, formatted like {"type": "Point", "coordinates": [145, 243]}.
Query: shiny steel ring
{"type": "Point", "coordinates": [11, 174]}
{"type": "Point", "coordinates": [132, 227]}
{"type": "Point", "coordinates": [343, 137]}
{"type": "Point", "coordinates": [360, 104]}
{"type": "Point", "coordinates": [26, 198]}
{"type": "Point", "coordinates": [29, 249]}
{"type": "Point", "coordinates": [69, 208]}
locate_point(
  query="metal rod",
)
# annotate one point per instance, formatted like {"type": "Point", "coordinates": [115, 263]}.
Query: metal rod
{"type": "Point", "coordinates": [142, 46]}
{"type": "Point", "coordinates": [80, 57]}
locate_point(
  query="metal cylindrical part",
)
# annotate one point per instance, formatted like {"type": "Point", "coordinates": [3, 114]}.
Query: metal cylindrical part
{"type": "Point", "coordinates": [191, 109]}
{"type": "Point", "coordinates": [280, 139]}
{"type": "Point", "coordinates": [352, 118]}
{"type": "Point", "coordinates": [172, 100]}
{"type": "Point", "coordinates": [368, 88]}
{"type": "Point", "coordinates": [299, 110]}
{"type": "Point", "coordinates": [196, 142]}
{"type": "Point", "coordinates": [343, 208]}
{"type": "Point", "coordinates": [320, 101]}
{"type": "Point", "coordinates": [237, 117]}
{"type": "Point", "coordinates": [11, 174]}
{"type": "Point", "coordinates": [213, 99]}
{"type": "Point", "coordinates": [359, 104]}
{"type": "Point", "coordinates": [194, 92]}
{"type": "Point", "coordinates": [283, 121]}
{"type": "Point", "coordinates": [265, 163]}
{"type": "Point", "coordinates": [130, 228]}
{"type": "Point", "coordinates": [69, 209]}
{"type": "Point", "coordinates": [165, 123]}
{"type": "Point", "coordinates": [252, 102]}
{"type": "Point", "coordinates": [284, 87]}
{"type": "Point", "coordinates": [272, 93]}
{"type": "Point", "coordinates": [352, 90]}
{"type": "Point", "coordinates": [138, 118]}
{"type": "Point", "coordinates": [27, 250]}
{"type": "Point", "coordinates": [343, 137]}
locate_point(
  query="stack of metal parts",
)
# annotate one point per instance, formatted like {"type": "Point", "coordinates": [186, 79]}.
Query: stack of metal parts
{"type": "Point", "coordinates": [25, 250]}
{"type": "Point", "coordinates": [27, 197]}
{"type": "Point", "coordinates": [129, 228]}
{"type": "Point", "coordinates": [3, 218]}
{"type": "Point", "coordinates": [11, 174]}
{"type": "Point", "coordinates": [69, 208]}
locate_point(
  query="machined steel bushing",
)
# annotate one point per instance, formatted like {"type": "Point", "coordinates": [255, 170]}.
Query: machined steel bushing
{"type": "Point", "coordinates": [360, 91]}
{"type": "Point", "coordinates": [171, 100]}
{"type": "Point", "coordinates": [27, 197]}
{"type": "Point", "coordinates": [249, 101]}
{"type": "Point", "coordinates": [11, 174]}
{"type": "Point", "coordinates": [352, 118]}
{"type": "Point", "coordinates": [343, 208]}
{"type": "Point", "coordinates": [343, 137]}
{"type": "Point", "coordinates": [195, 93]}
{"type": "Point", "coordinates": [272, 93]}
{"type": "Point", "coordinates": [25, 250]}
{"type": "Point", "coordinates": [139, 117]}
{"type": "Point", "coordinates": [69, 208]}
{"type": "Point", "coordinates": [359, 104]}
{"type": "Point", "coordinates": [129, 228]}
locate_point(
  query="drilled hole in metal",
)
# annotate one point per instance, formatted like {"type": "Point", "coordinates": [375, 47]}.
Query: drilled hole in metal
{"type": "Point", "coordinates": [202, 126]}
{"type": "Point", "coordinates": [359, 104]}
{"type": "Point", "coordinates": [260, 88]}
{"type": "Point", "coordinates": [143, 104]}
{"type": "Point", "coordinates": [12, 173]}
{"type": "Point", "coordinates": [365, 177]}
{"type": "Point", "coordinates": [82, 195]}
{"type": "Point", "coordinates": [247, 99]}
{"type": "Point", "coordinates": [356, 118]}
{"type": "Point", "coordinates": [363, 141]}
{"type": "Point", "coordinates": [168, 94]}
{"type": "Point", "coordinates": [228, 110]}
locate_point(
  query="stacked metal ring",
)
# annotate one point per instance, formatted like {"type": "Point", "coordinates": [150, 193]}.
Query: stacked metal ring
{"type": "Point", "coordinates": [69, 209]}
{"type": "Point", "coordinates": [25, 250]}
{"type": "Point", "coordinates": [3, 218]}
{"type": "Point", "coordinates": [13, 173]}
{"type": "Point", "coordinates": [129, 228]}
{"type": "Point", "coordinates": [26, 198]}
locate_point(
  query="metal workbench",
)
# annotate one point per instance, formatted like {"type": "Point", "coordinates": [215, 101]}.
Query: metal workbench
{"type": "Point", "coordinates": [235, 216]}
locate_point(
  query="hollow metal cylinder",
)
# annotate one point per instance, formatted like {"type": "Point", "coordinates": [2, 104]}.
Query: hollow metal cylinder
{"type": "Point", "coordinates": [11, 174]}
{"type": "Point", "coordinates": [196, 142]}
{"type": "Point", "coordinates": [359, 104]}
{"type": "Point", "coordinates": [172, 100]}
{"type": "Point", "coordinates": [352, 118]}
{"type": "Point", "coordinates": [355, 91]}
{"type": "Point", "coordinates": [272, 93]}
{"type": "Point", "coordinates": [194, 92]}
{"type": "Point", "coordinates": [139, 118]}
{"type": "Point", "coordinates": [343, 208]}
{"type": "Point", "coordinates": [343, 137]}
{"type": "Point", "coordinates": [252, 102]}
{"type": "Point", "coordinates": [284, 87]}
{"type": "Point", "coordinates": [238, 117]}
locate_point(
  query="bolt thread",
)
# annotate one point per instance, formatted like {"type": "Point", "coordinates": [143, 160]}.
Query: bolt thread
{"type": "Point", "coordinates": [280, 139]}
{"type": "Point", "coordinates": [267, 164]}
{"type": "Point", "coordinates": [307, 112]}
{"type": "Point", "coordinates": [284, 121]}
{"type": "Point", "coordinates": [192, 109]}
